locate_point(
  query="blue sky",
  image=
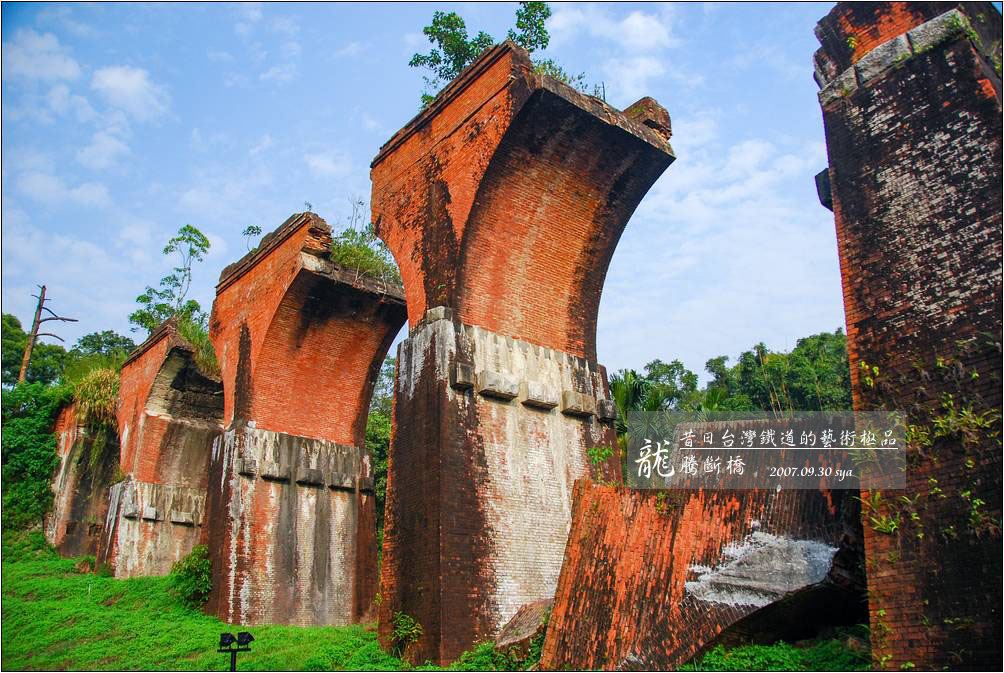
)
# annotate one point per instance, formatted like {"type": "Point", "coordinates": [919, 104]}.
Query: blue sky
{"type": "Point", "coordinates": [123, 122]}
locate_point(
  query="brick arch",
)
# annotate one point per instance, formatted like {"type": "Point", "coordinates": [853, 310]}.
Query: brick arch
{"type": "Point", "coordinates": [320, 357]}
{"type": "Point", "coordinates": [548, 214]}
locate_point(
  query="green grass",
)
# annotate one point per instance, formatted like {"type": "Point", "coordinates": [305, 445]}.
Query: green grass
{"type": "Point", "coordinates": [823, 655]}
{"type": "Point", "coordinates": [56, 617]}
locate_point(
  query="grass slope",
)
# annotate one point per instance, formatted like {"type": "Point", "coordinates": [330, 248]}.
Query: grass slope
{"type": "Point", "coordinates": [56, 617]}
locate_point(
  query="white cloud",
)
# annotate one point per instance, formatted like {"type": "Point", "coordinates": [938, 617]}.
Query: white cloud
{"type": "Point", "coordinates": [220, 56]}
{"type": "Point", "coordinates": [637, 32]}
{"type": "Point", "coordinates": [285, 26]}
{"type": "Point", "coordinates": [37, 56]}
{"type": "Point", "coordinates": [93, 281]}
{"type": "Point", "coordinates": [52, 191]}
{"type": "Point", "coordinates": [103, 151]}
{"type": "Point", "coordinates": [130, 89]}
{"type": "Point", "coordinates": [329, 165]}
{"type": "Point", "coordinates": [371, 124]}
{"type": "Point", "coordinates": [412, 40]}
{"type": "Point", "coordinates": [61, 100]}
{"type": "Point", "coordinates": [291, 49]}
{"type": "Point", "coordinates": [279, 73]}
{"type": "Point", "coordinates": [349, 50]}
{"type": "Point", "coordinates": [64, 17]}
{"type": "Point", "coordinates": [262, 145]}
{"type": "Point", "coordinates": [631, 76]}
{"type": "Point", "coordinates": [250, 14]}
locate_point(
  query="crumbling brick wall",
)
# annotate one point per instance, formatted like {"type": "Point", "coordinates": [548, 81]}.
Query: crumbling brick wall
{"type": "Point", "coordinates": [88, 465]}
{"type": "Point", "coordinates": [502, 203]}
{"type": "Point", "coordinates": [291, 523]}
{"type": "Point", "coordinates": [911, 99]}
{"type": "Point", "coordinates": [169, 411]}
{"type": "Point", "coordinates": [650, 578]}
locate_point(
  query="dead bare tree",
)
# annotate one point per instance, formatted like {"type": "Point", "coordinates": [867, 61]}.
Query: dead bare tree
{"type": "Point", "coordinates": [35, 333]}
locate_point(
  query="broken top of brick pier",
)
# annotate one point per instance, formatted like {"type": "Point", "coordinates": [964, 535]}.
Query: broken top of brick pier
{"type": "Point", "coordinates": [300, 339]}
{"type": "Point", "coordinates": [505, 198]}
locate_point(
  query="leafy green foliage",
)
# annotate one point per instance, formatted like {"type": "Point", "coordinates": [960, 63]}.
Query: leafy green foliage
{"type": "Point", "coordinates": [103, 343]}
{"type": "Point", "coordinates": [250, 232]}
{"type": "Point", "coordinates": [357, 248]}
{"type": "Point", "coordinates": [197, 334]}
{"type": "Point", "coordinates": [361, 251]}
{"type": "Point", "coordinates": [96, 396]}
{"type": "Point", "coordinates": [51, 363]}
{"type": "Point", "coordinates": [823, 655]}
{"type": "Point", "coordinates": [47, 360]}
{"type": "Point", "coordinates": [378, 446]}
{"type": "Point", "coordinates": [192, 577]}
{"type": "Point", "coordinates": [406, 630]}
{"type": "Point", "coordinates": [378, 425]}
{"type": "Point", "coordinates": [814, 376]}
{"type": "Point", "coordinates": [159, 304]}
{"type": "Point", "coordinates": [29, 450]}
{"type": "Point", "coordinates": [454, 49]}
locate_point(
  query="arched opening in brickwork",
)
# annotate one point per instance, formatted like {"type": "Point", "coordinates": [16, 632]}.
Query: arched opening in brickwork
{"type": "Point", "coordinates": [321, 357]}
{"type": "Point", "coordinates": [548, 213]}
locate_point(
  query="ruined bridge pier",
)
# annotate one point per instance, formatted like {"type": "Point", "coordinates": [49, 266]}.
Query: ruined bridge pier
{"type": "Point", "coordinates": [911, 103]}
{"type": "Point", "coordinates": [169, 412]}
{"type": "Point", "coordinates": [502, 203]}
{"type": "Point", "coordinates": [290, 520]}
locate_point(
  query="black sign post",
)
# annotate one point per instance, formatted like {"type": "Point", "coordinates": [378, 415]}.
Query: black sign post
{"type": "Point", "coordinates": [230, 645]}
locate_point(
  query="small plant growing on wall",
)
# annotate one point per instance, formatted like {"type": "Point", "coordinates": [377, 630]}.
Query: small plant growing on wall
{"type": "Point", "coordinates": [407, 630]}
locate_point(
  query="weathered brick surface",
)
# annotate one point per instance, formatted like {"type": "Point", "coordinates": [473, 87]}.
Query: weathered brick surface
{"type": "Point", "coordinates": [291, 524]}
{"type": "Point", "coordinates": [650, 578]}
{"type": "Point", "coordinates": [505, 198]}
{"type": "Point", "coordinates": [291, 530]}
{"type": "Point", "coordinates": [168, 414]}
{"type": "Point", "coordinates": [502, 203]}
{"type": "Point", "coordinates": [915, 170]}
{"type": "Point", "coordinates": [86, 469]}
{"type": "Point", "coordinates": [479, 486]}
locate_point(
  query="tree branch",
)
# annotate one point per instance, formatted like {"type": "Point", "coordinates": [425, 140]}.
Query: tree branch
{"type": "Point", "coordinates": [42, 334]}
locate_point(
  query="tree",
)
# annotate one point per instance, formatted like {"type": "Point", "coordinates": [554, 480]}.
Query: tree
{"type": "Point", "coordinates": [29, 450]}
{"type": "Point", "coordinates": [378, 425]}
{"type": "Point", "coordinates": [454, 50]}
{"type": "Point", "coordinates": [103, 343]}
{"type": "Point", "coordinates": [29, 345]}
{"type": "Point", "coordinates": [250, 232]}
{"type": "Point", "coordinates": [159, 304]}
{"type": "Point", "coordinates": [47, 360]}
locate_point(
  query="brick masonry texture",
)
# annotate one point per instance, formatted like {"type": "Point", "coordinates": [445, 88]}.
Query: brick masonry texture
{"type": "Point", "coordinates": [915, 170]}
{"type": "Point", "coordinates": [168, 414]}
{"type": "Point", "coordinates": [502, 203]}
{"type": "Point", "coordinates": [505, 198]}
{"type": "Point", "coordinates": [292, 530]}
{"type": "Point", "coordinates": [290, 514]}
{"type": "Point", "coordinates": [479, 494]}
{"type": "Point", "coordinates": [86, 470]}
{"type": "Point", "coordinates": [650, 578]}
